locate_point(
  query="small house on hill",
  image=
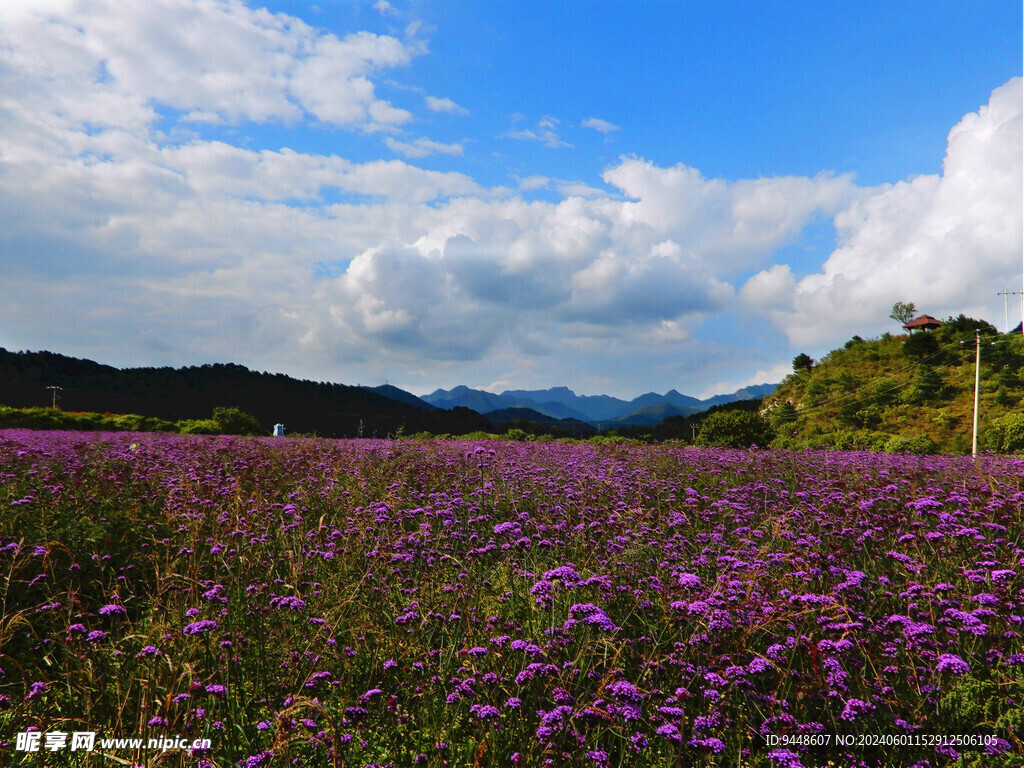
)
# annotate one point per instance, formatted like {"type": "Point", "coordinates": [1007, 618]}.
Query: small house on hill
{"type": "Point", "coordinates": [923, 323]}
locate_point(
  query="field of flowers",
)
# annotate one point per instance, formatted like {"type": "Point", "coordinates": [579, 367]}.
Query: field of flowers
{"type": "Point", "coordinates": [357, 603]}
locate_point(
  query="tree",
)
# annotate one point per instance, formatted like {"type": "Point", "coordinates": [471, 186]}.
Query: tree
{"type": "Point", "coordinates": [903, 312]}
{"type": "Point", "coordinates": [785, 413]}
{"type": "Point", "coordinates": [233, 421]}
{"type": "Point", "coordinates": [802, 362]}
{"type": "Point", "coordinates": [735, 429]}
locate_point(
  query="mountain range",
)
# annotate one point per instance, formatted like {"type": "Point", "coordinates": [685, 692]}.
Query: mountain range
{"type": "Point", "coordinates": [601, 411]}
{"type": "Point", "coordinates": [328, 409]}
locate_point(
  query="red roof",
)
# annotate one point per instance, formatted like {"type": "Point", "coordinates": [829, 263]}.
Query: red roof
{"type": "Point", "coordinates": [924, 321]}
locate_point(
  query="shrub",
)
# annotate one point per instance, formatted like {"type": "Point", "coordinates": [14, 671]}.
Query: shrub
{"type": "Point", "coordinates": [735, 429]}
{"type": "Point", "coordinates": [233, 421]}
{"type": "Point", "coordinates": [1006, 434]}
{"type": "Point", "coordinates": [921, 445]}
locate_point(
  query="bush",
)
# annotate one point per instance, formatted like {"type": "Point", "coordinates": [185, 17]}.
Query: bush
{"type": "Point", "coordinates": [233, 421]}
{"type": "Point", "coordinates": [518, 434]}
{"type": "Point", "coordinates": [199, 427]}
{"type": "Point", "coordinates": [921, 445]}
{"type": "Point", "coordinates": [735, 429]}
{"type": "Point", "coordinates": [1006, 434]}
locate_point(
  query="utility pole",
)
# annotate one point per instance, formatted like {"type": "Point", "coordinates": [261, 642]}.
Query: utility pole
{"type": "Point", "coordinates": [55, 389]}
{"type": "Point", "coordinates": [977, 389]}
{"type": "Point", "coordinates": [1006, 293]}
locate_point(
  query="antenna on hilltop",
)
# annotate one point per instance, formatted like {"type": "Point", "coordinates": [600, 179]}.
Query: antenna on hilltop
{"type": "Point", "coordinates": [55, 389]}
{"type": "Point", "coordinates": [1006, 293]}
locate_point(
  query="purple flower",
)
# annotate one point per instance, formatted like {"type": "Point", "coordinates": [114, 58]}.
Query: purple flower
{"type": "Point", "coordinates": [485, 711]}
{"type": "Point", "coordinates": [855, 707]}
{"type": "Point", "coordinates": [669, 731]}
{"type": "Point", "coordinates": [96, 635]}
{"type": "Point", "coordinates": [255, 761]}
{"type": "Point", "coordinates": [37, 689]}
{"type": "Point", "coordinates": [689, 580]}
{"type": "Point", "coordinates": [295, 603]}
{"type": "Point", "coordinates": [563, 573]}
{"type": "Point", "coordinates": [624, 691]}
{"type": "Point", "coordinates": [198, 627]}
{"type": "Point", "coordinates": [112, 609]}
{"type": "Point", "coordinates": [953, 663]}
{"type": "Point", "coordinates": [370, 694]}
{"type": "Point", "coordinates": [716, 745]}
{"type": "Point", "coordinates": [217, 690]}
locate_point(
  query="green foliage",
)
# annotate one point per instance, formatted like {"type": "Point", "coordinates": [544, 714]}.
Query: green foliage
{"type": "Point", "coordinates": [921, 445]}
{"type": "Point", "coordinates": [921, 385]}
{"type": "Point", "coordinates": [735, 429]}
{"type": "Point", "coordinates": [785, 414]}
{"type": "Point", "coordinates": [926, 386]}
{"type": "Point", "coordinates": [887, 392]}
{"type": "Point", "coordinates": [233, 421]}
{"type": "Point", "coordinates": [1006, 434]}
{"type": "Point", "coordinates": [54, 418]}
{"type": "Point", "coordinates": [198, 427]}
{"type": "Point", "coordinates": [922, 346]}
{"type": "Point", "coordinates": [518, 435]}
{"type": "Point", "coordinates": [802, 362]}
{"type": "Point", "coordinates": [903, 312]}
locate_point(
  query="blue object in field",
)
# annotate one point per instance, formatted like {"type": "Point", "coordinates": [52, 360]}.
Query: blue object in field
{"type": "Point", "coordinates": [279, 430]}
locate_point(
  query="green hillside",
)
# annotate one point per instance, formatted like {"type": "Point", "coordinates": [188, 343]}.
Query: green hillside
{"type": "Point", "coordinates": [912, 392]}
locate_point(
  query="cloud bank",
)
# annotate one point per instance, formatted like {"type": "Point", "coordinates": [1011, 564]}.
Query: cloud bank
{"type": "Point", "coordinates": [128, 236]}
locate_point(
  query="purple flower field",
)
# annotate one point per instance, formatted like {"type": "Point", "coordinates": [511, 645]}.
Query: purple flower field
{"type": "Point", "coordinates": [373, 603]}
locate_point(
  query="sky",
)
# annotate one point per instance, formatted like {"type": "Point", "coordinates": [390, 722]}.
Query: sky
{"type": "Point", "coordinates": [619, 196]}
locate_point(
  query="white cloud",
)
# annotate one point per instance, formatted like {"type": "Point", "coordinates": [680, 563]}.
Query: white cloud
{"type": "Point", "coordinates": [770, 288]}
{"type": "Point", "coordinates": [421, 147]}
{"type": "Point", "coordinates": [210, 250]}
{"type": "Point", "coordinates": [602, 126]}
{"type": "Point", "coordinates": [730, 226]}
{"type": "Point", "coordinates": [946, 242]}
{"type": "Point", "coordinates": [546, 132]}
{"type": "Point", "coordinates": [110, 63]}
{"type": "Point", "coordinates": [434, 104]}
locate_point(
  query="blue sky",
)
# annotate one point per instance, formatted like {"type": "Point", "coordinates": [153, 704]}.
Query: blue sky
{"type": "Point", "coordinates": [615, 196]}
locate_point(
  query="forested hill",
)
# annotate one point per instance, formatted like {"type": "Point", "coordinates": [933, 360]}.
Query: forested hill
{"type": "Point", "coordinates": [330, 410]}
{"type": "Point", "coordinates": [913, 390]}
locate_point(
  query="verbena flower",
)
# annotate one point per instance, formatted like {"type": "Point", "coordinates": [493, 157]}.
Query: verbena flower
{"type": "Point", "coordinates": [198, 627]}
{"type": "Point", "coordinates": [952, 663]}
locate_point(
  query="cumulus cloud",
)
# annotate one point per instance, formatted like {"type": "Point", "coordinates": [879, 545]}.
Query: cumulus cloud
{"type": "Point", "coordinates": [117, 63]}
{"type": "Point", "coordinates": [947, 242]}
{"type": "Point", "coordinates": [602, 126]}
